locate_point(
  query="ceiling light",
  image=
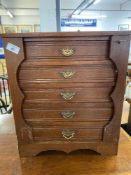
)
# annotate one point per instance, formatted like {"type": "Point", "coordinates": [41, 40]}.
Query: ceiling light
{"type": "Point", "coordinates": [10, 14]}
{"type": "Point", "coordinates": [84, 5]}
{"type": "Point", "coordinates": [6, 10]}
{"type": "Point", "coordinates": [97, 1]}
{"type": "Point", "coordinates": [77, 12]}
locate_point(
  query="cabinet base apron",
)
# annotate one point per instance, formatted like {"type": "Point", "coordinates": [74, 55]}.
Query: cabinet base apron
{"type": "Point", "coordinates": [68, 147]}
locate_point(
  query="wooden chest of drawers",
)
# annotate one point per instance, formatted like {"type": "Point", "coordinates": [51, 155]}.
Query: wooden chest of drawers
{"type": "Point", "coordinates": [67, 89]}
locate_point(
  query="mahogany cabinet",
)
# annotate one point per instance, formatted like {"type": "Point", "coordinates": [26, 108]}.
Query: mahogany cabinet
{"type": "Point", "coordinates": [67, 89]}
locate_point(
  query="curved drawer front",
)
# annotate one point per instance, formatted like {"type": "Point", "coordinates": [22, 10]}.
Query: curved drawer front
{"type": "Point", "coordinates": [66, 49]}
{"type": "Point", "coordinates": [70, 94]}
{"type": "Point", "coordinates": [69, 74]}
{"type": "Point", "coordinates": [67, 134]}
{"type": "Point", "coordinates": [73, 114]}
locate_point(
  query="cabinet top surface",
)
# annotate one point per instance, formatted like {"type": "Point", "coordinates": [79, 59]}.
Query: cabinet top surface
{"type": "Point", "coordinates": [66, 34]}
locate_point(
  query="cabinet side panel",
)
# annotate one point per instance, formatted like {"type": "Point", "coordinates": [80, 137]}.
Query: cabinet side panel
{"type": "Point", "coordinates": [13, 60]}
{"type": "Point", "coordinates": [119, 52]}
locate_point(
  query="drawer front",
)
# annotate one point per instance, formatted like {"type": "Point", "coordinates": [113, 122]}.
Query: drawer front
{"type": "Point", "coordinates": [69, 74]}
{"type": "Point", "coordinates": [66, 49]}
{"type": "Point", "coordinates": [74, 114]}
{"type": "Point", "coordinates": [66, 134]}
{"type": "Point", "coordinates": [70, 94]}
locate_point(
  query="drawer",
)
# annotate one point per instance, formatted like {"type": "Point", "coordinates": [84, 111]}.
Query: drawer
{"type": "Point", "coordinates": [66, 134]}
{"type": "Point", "coordinates": [69, 74]}
{"type": "Point", "coordinates": [74, 114]}
{"type": "Point", "coordinates": [70, 94]}
{"type": "Point", "coordinates": [66, 49]}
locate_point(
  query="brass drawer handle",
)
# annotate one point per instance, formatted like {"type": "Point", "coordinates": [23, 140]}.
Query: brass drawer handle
{"type": "Point", "coordinates": [67, 74]}
{"type": "Point", "coordinates": [67, 52]}
{"type": "Point", "coordinates": [68, 134]}
{"type": "Point", "coordinates": [67, 95]}
{"type": "Point", "coordinates": [68, 114]}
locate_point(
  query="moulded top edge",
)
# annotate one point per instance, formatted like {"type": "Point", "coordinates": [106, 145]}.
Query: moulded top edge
{"type": "Point", "coordinates": [65, 34]}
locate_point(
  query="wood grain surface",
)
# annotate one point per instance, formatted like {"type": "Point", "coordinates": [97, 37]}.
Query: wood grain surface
{"type": "Point", "coordinates": [43, 71]}
{"type": "Point", "coordinates": [69, 34]}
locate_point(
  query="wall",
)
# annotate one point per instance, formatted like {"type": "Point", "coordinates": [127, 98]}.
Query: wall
{"type": "Point", "coordinates": [25, 12]}
{"type": "Point", "coordinates": [27, 20]}
{"type": "Point", "coordinates": [46, 15]}
{"type": "Point", "coordinates": [115, 16]}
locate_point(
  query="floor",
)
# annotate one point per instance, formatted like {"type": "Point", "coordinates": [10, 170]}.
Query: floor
{"type": "Point", "coordinates": [125, 113]}
{"type": "Point", "coordinates": [83, 162]}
